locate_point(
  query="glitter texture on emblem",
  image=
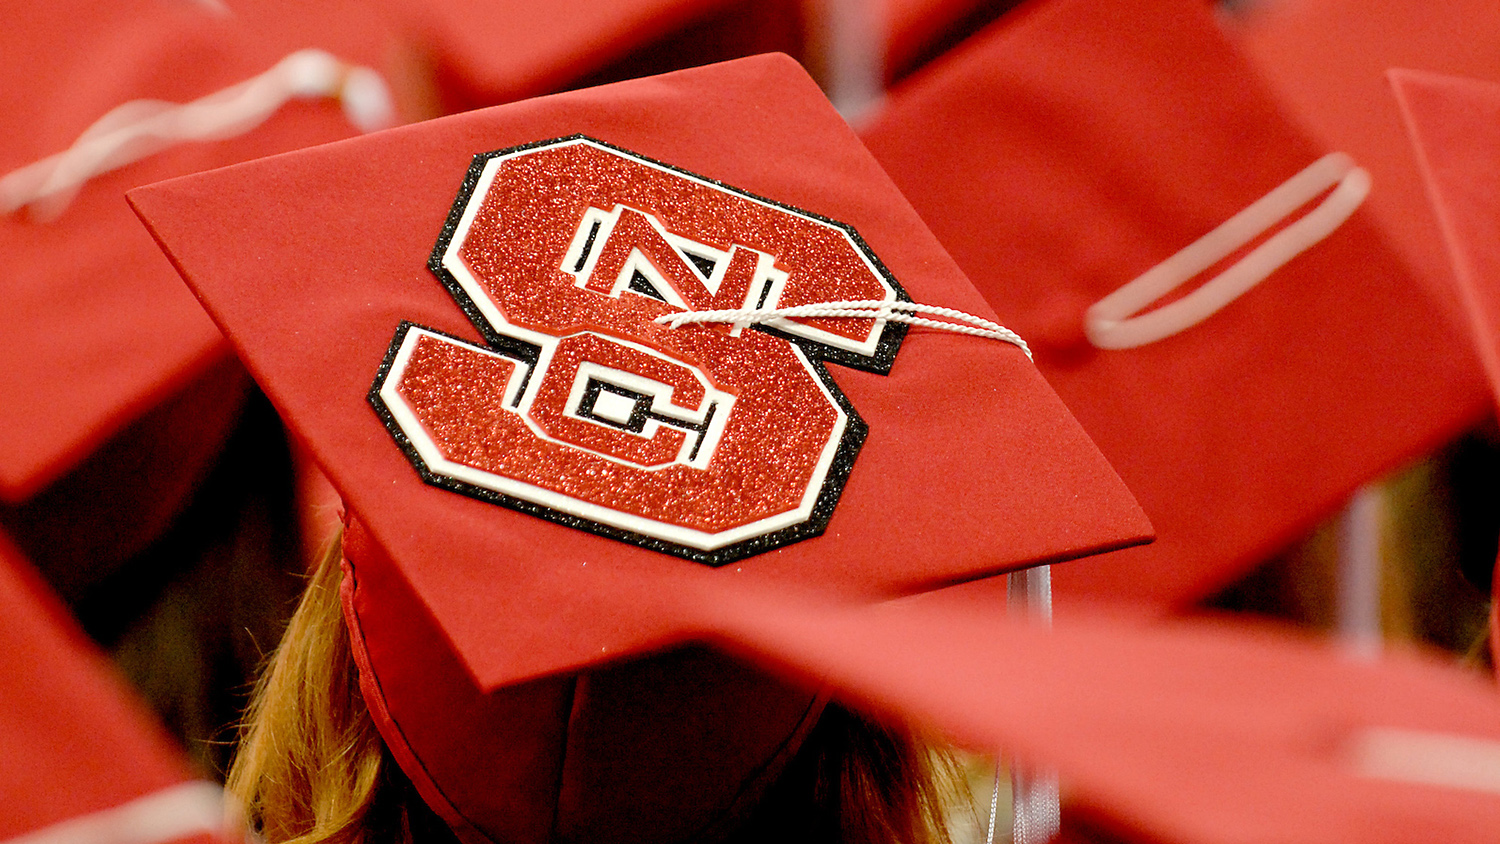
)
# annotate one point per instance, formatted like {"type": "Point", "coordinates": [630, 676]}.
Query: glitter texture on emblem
{"type": "Point", "coordinates": [708, 442]}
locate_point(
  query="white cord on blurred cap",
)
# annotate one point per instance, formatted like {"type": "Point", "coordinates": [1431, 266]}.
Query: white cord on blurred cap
{"type": "Point", "coordinates": [877, 309]}
{"type": "Point", "coordinates": [186, 810]}
{"type": "Point", "coordinates": [1113, 322]}
{"type": "Point", "coordinates": [139, 128]}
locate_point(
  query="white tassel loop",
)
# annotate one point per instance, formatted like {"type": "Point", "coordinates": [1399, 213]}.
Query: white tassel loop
{"type": "Point", "coordinates": [139, 128]}
{"type": "Point", "coordinates": [1112, 322]}
{"type": "Point", "coordinates": [903, 312]}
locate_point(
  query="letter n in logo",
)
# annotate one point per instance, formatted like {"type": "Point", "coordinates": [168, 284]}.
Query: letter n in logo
{"type": "Point", "coordinates": [709, 442]}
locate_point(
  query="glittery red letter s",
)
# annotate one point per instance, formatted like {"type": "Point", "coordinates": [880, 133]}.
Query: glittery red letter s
{"type": "Point", "coordinates": [709, 442]}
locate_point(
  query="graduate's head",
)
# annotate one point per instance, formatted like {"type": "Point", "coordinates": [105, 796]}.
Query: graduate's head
{"type": "Point", "coordinates": [688, 745]}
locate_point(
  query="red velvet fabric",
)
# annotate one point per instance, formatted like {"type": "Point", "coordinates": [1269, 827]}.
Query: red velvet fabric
{"type": "Point", "coordinates": [474, 620]}
{"type": "Point", "coordinates": [1079, 143]}
{"type": "Point", "coordinates": [73, 740]}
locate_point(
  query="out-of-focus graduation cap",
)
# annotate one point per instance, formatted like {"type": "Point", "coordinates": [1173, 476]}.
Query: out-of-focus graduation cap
{"type": "Point", "coordinates": [1078, 145]}
{"type": "Point", "coordinates": [105, 345]}
{"type": "Point", "coordinates": [1189, 732]}
{"type": "Point", "coordinates": [80, 760]}
{"type": "Point", "coordinates": [486, 53]}
{"type": "Point", "coordinates": [539, 468]}
{"type": "Point", "coordinates": [1326, 62]}
{"type": "Point", "coordinates": [1454, 124]}
{"type": "Point", "coordinates": [918, 31]}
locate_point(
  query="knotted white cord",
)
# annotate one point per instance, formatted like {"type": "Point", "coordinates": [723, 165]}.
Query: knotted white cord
{"type": "Point", "coordinates": [139, 128]}
{"type": "Point", "coordinates": [903, 312]}
{"type": "Point", "coordinates": [1112, 322]}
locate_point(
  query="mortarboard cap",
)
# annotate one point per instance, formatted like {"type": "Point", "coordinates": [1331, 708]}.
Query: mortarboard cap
{"type": "Point", "coordinates": [1325, 60]}
{"type": "Point", "coordinates": [1452, 125]}
{"type": "Point", "coordinates": [80, 760]}
{"type": "Point", "coordinates": [484, 54]}
{"type": "Point", "coordinates": [1189, 732]}
{"type": "Point", "coordinates": [513, 585]}
{"type": "Point", "coordinates": [105, 346]}
{"type": "Point", "coordinates": [919, 31]}
{"type": "Point", "coordinates": [1107, 141]}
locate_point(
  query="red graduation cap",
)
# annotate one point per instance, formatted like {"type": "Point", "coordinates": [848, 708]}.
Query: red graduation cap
{"type": "Point", "coordinates": [80, 760]}
{"type": "Point", "coordinates": [101, 332]}
{"type": "Point", "coordinates": [1326, 62]}
{"type": "Point", "coordinates": [918, 31]}
{"type": "Point", "coordinates": [492, 279]}
{"type": "Point", "coordinates": [1452, 124]}
{"type": "Point", "coordinates": [1191, 732]}
{"type": "Point", "coordinates": [1078, 145]}
{"type": "Point", "coordinates": [484, 53]}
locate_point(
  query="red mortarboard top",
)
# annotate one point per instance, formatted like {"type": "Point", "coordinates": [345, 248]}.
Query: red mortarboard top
{"type": "Point", "coordinates": [101, 331]}
{"type": "Point", "coordinates": [969, 464]}
{"type": "Point", "coordinates": [1112, 135]}
{"type": "Point", "coordinates": [486, 53]}
{"type": "Point", "coordinates": [1326, 60]}
{"type": "Point", "coordinates": [1454, 125]}
{"type": "Point", "coordinates": [1191, 732]}
{"type": "Point", "coordinates": [79, 757]}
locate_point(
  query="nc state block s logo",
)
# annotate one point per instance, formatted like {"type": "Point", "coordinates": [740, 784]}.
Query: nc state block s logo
{"type": "Point", "coordinates": [711, 442]}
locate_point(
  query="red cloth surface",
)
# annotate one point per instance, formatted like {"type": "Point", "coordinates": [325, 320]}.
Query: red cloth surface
{"type": "Point", "coordinates": [1077, 144]}
{"type": "Point", "coordinates": [1006, 478]}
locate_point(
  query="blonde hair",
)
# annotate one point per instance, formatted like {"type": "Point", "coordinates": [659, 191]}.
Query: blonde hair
{"type": "Point", "coordinates": [312, 769]}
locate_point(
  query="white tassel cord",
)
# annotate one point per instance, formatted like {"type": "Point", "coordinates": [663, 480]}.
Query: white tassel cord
{"type": "Point", "coordinates": [1444, 760]}
{"type": "Point", "coordinates": [903, 312]}
{"type": "Point", "coordinates": [1035, 799]}
{"type": "Point", "coordinates": [140, 128]}
{"type": "Point", "coordinates": [1112, 322]}
{"type": "Point", "coordinates": [179, 811]}
{"type": "Point", "coordinates": [855, 36]}
{"type": "Point", "coordinates": [1361, 527]}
